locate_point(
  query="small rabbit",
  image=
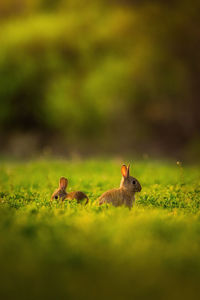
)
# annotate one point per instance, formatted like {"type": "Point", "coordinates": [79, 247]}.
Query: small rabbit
{"type": "Point", "coordinates": [61, 193]}
{"type": "Point", "coordinates": [125, 194]}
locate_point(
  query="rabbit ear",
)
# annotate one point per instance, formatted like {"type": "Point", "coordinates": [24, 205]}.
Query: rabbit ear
{"type": "Point", "coordinates": [128, 169]}
{"type": "Point", "coordinates": [124, 171]}
{"type": "Point", "coordinates": [63, 183]}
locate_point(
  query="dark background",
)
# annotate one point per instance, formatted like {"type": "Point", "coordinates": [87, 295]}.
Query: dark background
{"type": "Point", "coordinates": [100, 77]}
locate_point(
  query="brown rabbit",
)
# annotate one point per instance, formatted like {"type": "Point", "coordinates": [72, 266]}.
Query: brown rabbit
{"type": "Point", "coordinates": [61, 193]}
{"type": "Point", "coordinates": [125, 194]}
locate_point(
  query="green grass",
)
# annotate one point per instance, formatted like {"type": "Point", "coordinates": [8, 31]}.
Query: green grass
{"type": "Point", "coordinates": [71, 251]}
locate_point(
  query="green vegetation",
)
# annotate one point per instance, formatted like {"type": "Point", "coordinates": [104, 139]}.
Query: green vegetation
{"type": "Point", "coordinates": [91, 252]}
{"type": "Point", "coordinates": [108, 72]}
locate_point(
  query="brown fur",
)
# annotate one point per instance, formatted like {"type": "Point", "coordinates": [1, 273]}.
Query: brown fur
{"type": "Point", "coordinates": [78, 195]}
{"type": "Point", "coordinates": [62, 194]}
{"type": "Point", "coordinates": [125, 195]}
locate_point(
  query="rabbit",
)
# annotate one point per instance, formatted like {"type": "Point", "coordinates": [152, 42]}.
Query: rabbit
{"type": "Point", "coordinates": [62, 194]}
{"type": "Point", "coordinates": [125, 194]}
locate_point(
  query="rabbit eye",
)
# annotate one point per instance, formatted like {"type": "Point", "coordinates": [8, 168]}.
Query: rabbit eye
{"type": "Point", "coordinates": [56, 197]}
{"type": "Point", "coordinates": [134, 182]}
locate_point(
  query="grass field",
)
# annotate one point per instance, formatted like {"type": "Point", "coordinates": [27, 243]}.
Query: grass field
{"type": "Point", "coordinates": [71, 251]}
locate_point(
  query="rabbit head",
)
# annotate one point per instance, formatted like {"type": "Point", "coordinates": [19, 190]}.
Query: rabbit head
{"type": "Point", "coordinates": [60, 193]}
{"type": "Point", "coordinates": [128, 182]}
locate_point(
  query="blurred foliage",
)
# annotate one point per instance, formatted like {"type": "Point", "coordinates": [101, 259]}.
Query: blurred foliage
{"type": "Point", "coordinates": [108, 72]}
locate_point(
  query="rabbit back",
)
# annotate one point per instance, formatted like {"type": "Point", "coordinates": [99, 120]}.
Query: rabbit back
{"type": "Point", "coordinates": [78, 195]}
{"type": "Point", "coordinates": [117, 197]}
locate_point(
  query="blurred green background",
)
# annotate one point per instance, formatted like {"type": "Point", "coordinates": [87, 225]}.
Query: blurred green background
{"type": "Point", "coordinates": [96, 77]}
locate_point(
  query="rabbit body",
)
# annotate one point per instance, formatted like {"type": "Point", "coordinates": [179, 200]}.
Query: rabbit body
{"type": "Point", "coordinates": [78, 195]}
{"type": "Point", "coordinates": [125, 194]}
{"type": "Point", "coordinates": [118, 197]}
{"type": "Point", "coordinates": [62, 194]}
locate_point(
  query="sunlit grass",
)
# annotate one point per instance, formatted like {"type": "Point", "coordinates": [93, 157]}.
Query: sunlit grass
{"type": "Point", "coordinates": [91, 251]}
